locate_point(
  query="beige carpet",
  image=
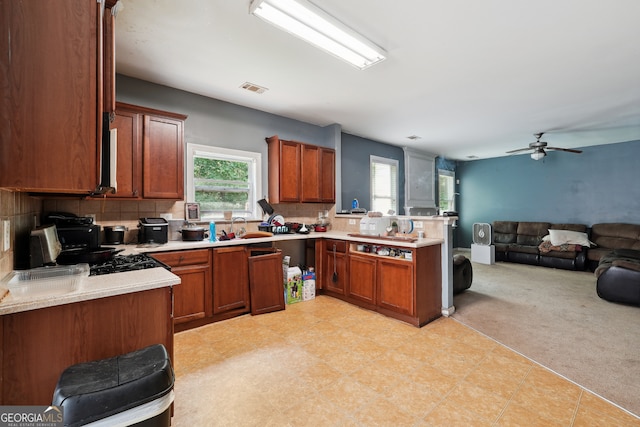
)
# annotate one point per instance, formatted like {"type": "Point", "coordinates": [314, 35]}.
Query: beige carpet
{"type": "Point", "coordinates": [555, 318]}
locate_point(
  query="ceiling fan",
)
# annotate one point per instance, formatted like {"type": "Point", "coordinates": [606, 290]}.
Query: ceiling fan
{"type": "Point", "coordinates": [539, 147]}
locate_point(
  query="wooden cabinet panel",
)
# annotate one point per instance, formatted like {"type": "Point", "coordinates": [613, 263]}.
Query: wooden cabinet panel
{"type": "Point", "coordinates": [129, 166]}
{"type": "Point", "coordinates": [328, 175]}
{"type": "Point", "coordinates": [362, 278]}
{"type": "Point", "coordinates": [310, 173]}
{"type": "Point", "coordinates": [51, 83]}
{"type": "Point", "coordinates": [40, 344]}
{"type": "Point", "coordinates": [230, 280]}
{"type": "Point", "coordinates": [163, 152]}
{"type": "Point", "coordinates": [300, 172]}
{"type": "Point", "coordinates": [396, 285]}
{"type": "Point", "coordinates": [193, 296]}
{"type": "Point", "coordinates": [335, 269]}
{"type": "Point", "coordinates": [266, 283]}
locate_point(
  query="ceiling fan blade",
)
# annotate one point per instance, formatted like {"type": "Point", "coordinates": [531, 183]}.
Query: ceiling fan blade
{"type": "Point", "coordinates": [569, 150]}
{"type": "Point", "coordinates": [518, 150]}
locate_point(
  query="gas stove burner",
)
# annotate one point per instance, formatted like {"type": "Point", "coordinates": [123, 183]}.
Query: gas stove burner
{"type": "Point", "coordinates": [122, 263]}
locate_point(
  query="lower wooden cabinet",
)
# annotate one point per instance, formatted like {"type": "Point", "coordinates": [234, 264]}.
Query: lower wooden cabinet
{"type": "Point", "coordinates": [395, 285]}
{"type": "Point", "coordinates": [230, 280]}
{"type": "Point", "coordinates": [192, 297]}
{"type": "Point", "coordinates": [265, 280]}
{"type": "Point", "coordinates": [335, 266]}
{"type": "Point", "coordinates": [362, 278]}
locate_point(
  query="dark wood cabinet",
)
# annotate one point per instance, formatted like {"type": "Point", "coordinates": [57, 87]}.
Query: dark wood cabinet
{"type": "Point", "coordinates": [51, 74]}
{"type": "Point", "coordinates": [266, 281]}
{"type": "Point", "coordinates": [335, 267]}
{"type": "Point", "coordinates": [150, 153]}
{"type": "Point", "coordinates": [193, 296]}
{"type": "Point", "coordinates": [300, 172]}
{"type": "Point", "coordinates": [39, 344]}
{"type": "Point", "coordinates": [362, 278]}
{"type": "Point", "coordinates": [230, 280]}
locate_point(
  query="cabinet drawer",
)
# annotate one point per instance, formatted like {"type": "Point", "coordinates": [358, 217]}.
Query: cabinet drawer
{"type": "Point", "coordinates": [180, 258]}
{"type": "Point", "coordinates": [341, 245]}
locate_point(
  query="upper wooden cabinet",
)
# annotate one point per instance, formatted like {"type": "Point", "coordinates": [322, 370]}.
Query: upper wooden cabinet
{"type": "Point", "coordinates": [300, 172]}
{"type": "Point", "coordinates": [150, 153]}
{"type": "Point", "coordinates": [52, 79]}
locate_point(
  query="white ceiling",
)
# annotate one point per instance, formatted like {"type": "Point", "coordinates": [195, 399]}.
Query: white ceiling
{"type": "Point", "coordinates": [470, 78]}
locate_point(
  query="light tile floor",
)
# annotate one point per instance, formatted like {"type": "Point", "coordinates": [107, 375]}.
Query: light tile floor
{"type": "Point", "coordinates": [328, 363]}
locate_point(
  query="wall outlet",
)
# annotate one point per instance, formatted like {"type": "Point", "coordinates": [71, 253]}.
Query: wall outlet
{"type": "Point", "coordinates": [418, 224]}
{"type": "Point", "coordinates": [6, 233]}
{"type": "Point", "coordinates": [352, 222]}
{"type": "Point", "coordinates": [166, 216]}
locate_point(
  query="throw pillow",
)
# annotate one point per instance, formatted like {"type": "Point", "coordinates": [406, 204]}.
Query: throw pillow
{"type": "Point", "coordinates": [562, 237]}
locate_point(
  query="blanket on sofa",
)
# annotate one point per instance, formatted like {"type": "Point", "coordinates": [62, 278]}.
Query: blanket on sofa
{"type": "Point", "coordinates": [545, 247]}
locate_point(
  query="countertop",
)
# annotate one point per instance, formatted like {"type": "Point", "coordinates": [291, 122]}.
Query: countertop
{"type": "Point", "coordinates": [94, 287]}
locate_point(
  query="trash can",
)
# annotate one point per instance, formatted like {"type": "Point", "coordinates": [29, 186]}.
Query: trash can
{"type": "Point", "coordinates": [133, 389]}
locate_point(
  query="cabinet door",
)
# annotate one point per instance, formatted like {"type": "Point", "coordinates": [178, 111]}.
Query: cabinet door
{"type": "Point", "coordinates": [335, 262]}
{"type": "Point", "coordinates": [396, 285]}
{"type": "Point", "coordinates": [289, 171]}
{"type": "Point", "coordinates": [362, 278]}
{"type": "Point", "coordinates": [192, 298]}
{"type": "Point", "coordinates": [328, 175]}
{"type": "Point", "coordinates": [310, 173]}
{"type": "Point", "coordinates": [163, 152]}
{"type": "Point", "coordinates": [230, 279]}
{"type": "Point", "coordinates": [129, 164]}
{"type": "Point", "coordinates": [51, 75]}
{"type": "Point", "coordinates": [266, 283]}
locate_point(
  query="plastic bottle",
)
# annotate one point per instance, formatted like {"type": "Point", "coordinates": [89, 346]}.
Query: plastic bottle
{"type": "Point", "coordinates": [355, 204]}
{"type": "Point", "coordinates": [212, 232]}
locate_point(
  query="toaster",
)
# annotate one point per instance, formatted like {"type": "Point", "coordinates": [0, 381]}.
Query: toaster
{"type": "Point", "coordinates": [44, 246]}
{"type": "Point", "coordinates": [153, 230]}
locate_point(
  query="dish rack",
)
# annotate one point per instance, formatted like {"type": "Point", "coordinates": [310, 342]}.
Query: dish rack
{"type": "Point", "coordinates": [45, 280]}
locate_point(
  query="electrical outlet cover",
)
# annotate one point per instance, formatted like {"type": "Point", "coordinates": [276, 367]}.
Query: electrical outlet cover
{"type": "Point", "coordinates": [6, 232]}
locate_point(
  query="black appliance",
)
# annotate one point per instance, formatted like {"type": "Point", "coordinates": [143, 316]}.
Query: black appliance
{"type": "Point", "coordinates": [153, 230]}
{"type": "Point", "coordinates": [123, 263]}
{"type": "Point", "coordinates": [75, 232]}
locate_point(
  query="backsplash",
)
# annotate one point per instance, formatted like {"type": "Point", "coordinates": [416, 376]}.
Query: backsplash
{"type": "Point", "coordinates": [22, 212]}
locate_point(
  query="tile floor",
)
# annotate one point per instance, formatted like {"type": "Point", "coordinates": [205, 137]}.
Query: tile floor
{"type": "Point", "coordinates": [327, 363]}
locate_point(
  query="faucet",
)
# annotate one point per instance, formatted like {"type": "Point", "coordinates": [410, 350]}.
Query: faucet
{"type": "Point", "coordinates": [243, 229]}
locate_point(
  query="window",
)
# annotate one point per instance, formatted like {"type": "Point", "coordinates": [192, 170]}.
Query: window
{"type": "Point", "coordinates": [384, 184]}
{"type": "Point", "coordinates": [221, 179]}
{"type": "Point", "coordinates": [446, 190]}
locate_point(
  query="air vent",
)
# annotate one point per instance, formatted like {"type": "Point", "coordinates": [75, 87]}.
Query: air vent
{"type": "Point", "coordinates": [253, 88]}
{"type": "Point", "coordinates": [414, 137]}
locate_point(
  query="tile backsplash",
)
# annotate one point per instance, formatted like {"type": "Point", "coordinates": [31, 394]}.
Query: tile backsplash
{"type": "Point", "coordinates": [21, 212]}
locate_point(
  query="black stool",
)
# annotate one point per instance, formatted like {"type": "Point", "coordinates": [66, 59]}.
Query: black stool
{"type": "Point", "coordinates": [462, 273]}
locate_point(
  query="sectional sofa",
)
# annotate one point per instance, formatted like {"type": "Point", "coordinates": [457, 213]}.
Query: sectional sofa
{"type": "Point", "coordinates": [541, 243]}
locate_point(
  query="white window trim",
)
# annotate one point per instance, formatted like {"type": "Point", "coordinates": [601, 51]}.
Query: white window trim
{"type": "Point", "coordinates": [388, 161]}
{"type": "Point", "coordinates": [230, 154]}
{"type": "Point", "coordinates": [452, 200]}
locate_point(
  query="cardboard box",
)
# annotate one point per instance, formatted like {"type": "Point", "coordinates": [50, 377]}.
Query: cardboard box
{"type": "Point", "coordinates": [293, 285]}
{"type": "Point", "coordinates": [308, 286]}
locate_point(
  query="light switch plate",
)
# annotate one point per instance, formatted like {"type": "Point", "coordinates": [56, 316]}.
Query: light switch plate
{"type": "Point", "coordinates": [6, 227]}
{"type": "Point", "coordinates": [352, 222]}
{"type": "Point", "coordinates": [418, 224]}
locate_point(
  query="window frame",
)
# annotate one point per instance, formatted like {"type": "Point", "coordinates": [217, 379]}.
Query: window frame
{"type": "Point", "coordinates": [451, 201]}
{"type": "Point", "coordinates": [220, 153]}
{"type": "Point", "coordinates": [391, 162]}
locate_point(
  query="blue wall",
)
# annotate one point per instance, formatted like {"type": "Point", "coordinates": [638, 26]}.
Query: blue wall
{"type": "Point", "coordinates": [599, 185]}
{"type": "Point", "coordinates": [355, 169]}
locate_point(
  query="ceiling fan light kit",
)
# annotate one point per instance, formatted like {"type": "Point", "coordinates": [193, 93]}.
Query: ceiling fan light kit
{"type": "Point", "coordinates": [538, 148]}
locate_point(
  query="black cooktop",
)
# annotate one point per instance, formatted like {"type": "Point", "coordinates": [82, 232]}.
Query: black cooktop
{"type": "Point", "coordinates": [122, 263]}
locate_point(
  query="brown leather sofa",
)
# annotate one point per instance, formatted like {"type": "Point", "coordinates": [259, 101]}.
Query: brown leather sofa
{"type": "Point", "coordinates": [520, 241]}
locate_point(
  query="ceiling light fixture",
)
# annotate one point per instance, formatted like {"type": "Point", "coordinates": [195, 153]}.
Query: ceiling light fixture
{"type": "Point", "coordinates": [538, 154]}
{"type": "Point", "coordinates": [306, 21]}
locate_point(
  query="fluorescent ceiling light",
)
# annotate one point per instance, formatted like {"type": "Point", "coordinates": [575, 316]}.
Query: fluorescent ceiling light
{"type": "Point", "coordinates": [311, 24]}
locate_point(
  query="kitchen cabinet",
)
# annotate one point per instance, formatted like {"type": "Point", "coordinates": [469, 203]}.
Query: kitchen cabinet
{"type": "Point", "coordinates": [362, 278]}
{"type": "Point", "coordinates": [193, 296]}
{"type": "Point", "coordinates": [230, 281]}
{"type": "Point", "coordinates": [300, 173]}
{"type": "Point", "coordinates": [335, 267]}
{"type": "Point", "coordinates": [150, 153]}
{"type": "Point", "coordinates": [266, 280]}
{"type": "Point", "coordinates": [395, 285]}
{"type": "Point", "coordinates": [52, 79]}
{"type": "Point", "coordinates": [39, 344]}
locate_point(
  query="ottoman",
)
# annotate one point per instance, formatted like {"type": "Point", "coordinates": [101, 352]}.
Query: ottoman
{"type": "Point", "coordinates": [462, 273]}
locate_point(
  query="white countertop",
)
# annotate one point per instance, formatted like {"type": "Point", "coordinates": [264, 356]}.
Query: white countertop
{"type": "Point", "coordinates": [94, 287]}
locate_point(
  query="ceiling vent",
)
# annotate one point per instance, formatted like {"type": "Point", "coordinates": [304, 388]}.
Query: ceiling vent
{"type": "Point", "coordinates": [253, 88]}
{"type": "Point", "coordinates": [413, 137]}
